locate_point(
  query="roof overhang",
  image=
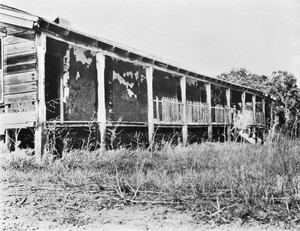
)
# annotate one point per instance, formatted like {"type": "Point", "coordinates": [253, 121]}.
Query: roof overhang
{"type": "Point", "coordinates": [15, 17]}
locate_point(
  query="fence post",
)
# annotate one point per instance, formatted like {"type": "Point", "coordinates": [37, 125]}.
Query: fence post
{"type": "Point", "coordinates": [208, 99]}
{"type": "Point", "coordinates": [184, 112]}
{"type": "Point", "coordinates": [149, 76]}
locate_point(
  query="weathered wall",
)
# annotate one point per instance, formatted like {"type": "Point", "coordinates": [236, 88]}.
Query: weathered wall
{"type": "Point", "coordinates": [125, 91]}
{"type": "Point", "coordinates": [166, 85]}
{"type": "Point", "coordinates": [79, 85]}
{"type": "Point", "coordinates": [19, 80]}
{"type": "Point", "coordinates": [19, 70]}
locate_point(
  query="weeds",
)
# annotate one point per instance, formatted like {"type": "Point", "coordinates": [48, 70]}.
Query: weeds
{"type": "Point", "coordinates": [220, 181]}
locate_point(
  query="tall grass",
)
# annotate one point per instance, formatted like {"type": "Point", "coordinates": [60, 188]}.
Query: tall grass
{"type": "Point", "coordinates": [249, 174]}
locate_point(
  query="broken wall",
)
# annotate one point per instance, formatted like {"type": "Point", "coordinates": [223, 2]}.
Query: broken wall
{"type": "Point", "coordinates": [125, 91]}
{"type": "Point", "coordinates": [79, 83]}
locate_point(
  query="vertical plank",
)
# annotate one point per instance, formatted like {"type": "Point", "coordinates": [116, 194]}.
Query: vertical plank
{"type": "Point", "coordinates": [40, 103]}
{"type": "Point", "coordinates": [149, 76]}
{"type": "Point", "coordinates": [229, 122]}
{"type": "Point", "coordinates": [101, 112]}
{"type": "Point", "coordinates": [208, 99]}
{"type": "Point", "coordinates": [184, 111]}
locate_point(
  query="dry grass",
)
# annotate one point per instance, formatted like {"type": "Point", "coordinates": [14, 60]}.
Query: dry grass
{"type": "Point", "coordinates": [220, 181]}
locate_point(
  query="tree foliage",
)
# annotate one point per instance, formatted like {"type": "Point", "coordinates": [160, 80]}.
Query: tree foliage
{"type": "Point", "coordinates": [281, 86]}
{"type": "Point", "coordinates": [243, 77]}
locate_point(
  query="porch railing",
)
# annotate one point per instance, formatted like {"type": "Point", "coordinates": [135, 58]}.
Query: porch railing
{"type": "Point", "coordinates": [171, 111]}
{"type": "Point", "coordinates": [168, 110]}
{"type": "Point", "coordinates": [260, 118]}
{"type": "Point", "coordinates": [221, 115]}
{"type": "Point", "coordinates": [197, 112]}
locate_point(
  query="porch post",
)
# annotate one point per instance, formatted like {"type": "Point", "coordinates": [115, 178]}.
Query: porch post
{"type": "Point", "coordinates": [243, 101]}
{"type": "Point", "coordinates": [228, 94]}
{"type": "Point", "coordinates": [254, 116]}
{"type": "Point", "coordinates": [101, 112]}
{"type": "Point", "coordinates": [184, 117]}
{"type": "Point", "coordinates": [39, 133]}
{"type": "Point", "coordinates": [149, 76]}
{"type": "Point", "coordinates": [254, 108]}
{"type": "Point", "coordinates": [208, 99]}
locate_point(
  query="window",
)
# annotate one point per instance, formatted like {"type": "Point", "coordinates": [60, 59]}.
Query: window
{"type": "Point", "coordinates": [1, 71]}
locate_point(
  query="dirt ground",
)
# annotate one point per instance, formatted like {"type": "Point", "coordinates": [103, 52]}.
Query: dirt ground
{"type": "Point", "coordinates": [54, 207]}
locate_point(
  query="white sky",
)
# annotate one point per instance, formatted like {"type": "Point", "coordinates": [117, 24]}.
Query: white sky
{"type": "Point", "coordinates": [210, 36]}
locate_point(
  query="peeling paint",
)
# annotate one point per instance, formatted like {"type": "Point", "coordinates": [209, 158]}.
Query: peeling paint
{"type": "Point", "coordinates": [80, 56]}
{"type": "Point", "coordinates": [117, 76]}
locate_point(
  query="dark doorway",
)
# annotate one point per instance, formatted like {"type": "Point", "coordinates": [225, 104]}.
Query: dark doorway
{"type": "Point", "coordinates": [52, 85]}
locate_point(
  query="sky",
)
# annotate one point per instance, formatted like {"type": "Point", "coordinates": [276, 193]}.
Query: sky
{"type": "Point", "coordinates": [209, 36]}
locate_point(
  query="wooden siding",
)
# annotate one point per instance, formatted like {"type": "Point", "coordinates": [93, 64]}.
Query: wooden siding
{"type": "Point", "coordinates": [20, 80]}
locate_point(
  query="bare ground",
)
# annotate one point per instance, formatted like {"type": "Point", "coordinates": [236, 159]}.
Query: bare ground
{"type": "Point", "coordinates": [57, 207]}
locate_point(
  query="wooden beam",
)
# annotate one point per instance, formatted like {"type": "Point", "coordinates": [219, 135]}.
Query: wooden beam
{"type": "Point", "coordinates": [208, 99]}
{"type": "Point", "coordinates": [40, 103]}
{"type": "Point", "coordinates": [184, 116]}
{"type": "Point", "coordinates": [101, 112]}
{"type": "Point", "coordinates": [149, 76]}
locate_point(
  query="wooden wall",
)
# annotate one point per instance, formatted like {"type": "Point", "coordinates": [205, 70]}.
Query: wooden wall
{"type": "Point", "coordinates": [20, 80]}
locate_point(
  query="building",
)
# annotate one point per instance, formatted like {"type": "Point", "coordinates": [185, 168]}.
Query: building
{"type": "Point", "coordinates": [53, 76]}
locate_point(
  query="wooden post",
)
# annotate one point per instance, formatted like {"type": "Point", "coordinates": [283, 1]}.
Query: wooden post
{"type": "Point", "coordinates": [101, 112]}
{"type": "Point", "coordinates": [208, 99]}
{"type": "Point", "coordinates": [254, 109]}
{"type": "Point", "coordinates": [254, 117]}
{"type": "Point", "coordinates": [39, 133]}
{"type": "Point", "coordinates": [184, 117]}
{"type": "Point", "coordinates": [149, 76]}
{"type": "Point", "coordinates": [228, 95]}
{"type": "Point", "coordinates": [243, 101]}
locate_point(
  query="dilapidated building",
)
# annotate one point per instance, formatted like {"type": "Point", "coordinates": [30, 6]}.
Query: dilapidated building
{"type": "Point", "coordinates": [54, 77]}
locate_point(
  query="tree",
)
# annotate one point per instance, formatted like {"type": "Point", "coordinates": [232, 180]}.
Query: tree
{"type": "Point", "coordinates": [283, 89]}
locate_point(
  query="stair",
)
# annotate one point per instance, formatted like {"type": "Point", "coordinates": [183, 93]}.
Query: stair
{"type": "Point", "coordinates": [249, 139]}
